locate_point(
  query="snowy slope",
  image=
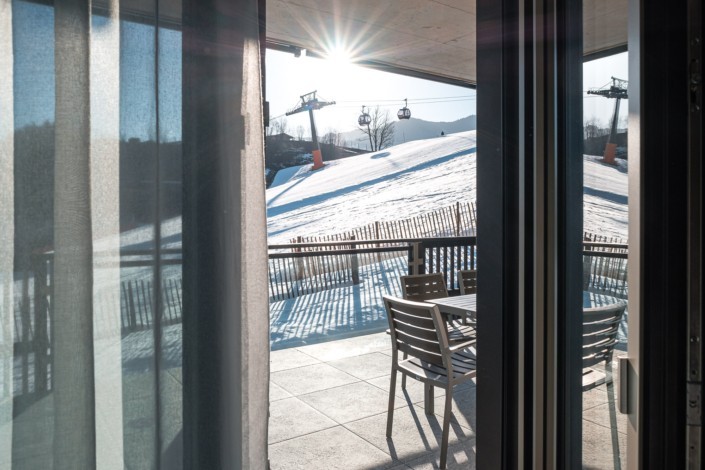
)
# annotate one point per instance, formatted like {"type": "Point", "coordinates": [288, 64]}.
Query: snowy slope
{"type": "Point", "coordinates": [605, 194]}
{"type": "Point", "coordinates": [410, 179]}
{"type": "Point", "coordinates": [399, 182]}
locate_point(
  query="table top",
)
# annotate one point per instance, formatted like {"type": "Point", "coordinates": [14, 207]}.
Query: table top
{"type": "Point", "coordinates": [459, 305]}
{"type": "Point", "coordinates": [466, 304]}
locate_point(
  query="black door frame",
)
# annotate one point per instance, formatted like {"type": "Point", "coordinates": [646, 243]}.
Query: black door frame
{"type": "Point", "coordinates": [529, 200]}
{"type": "Point", "coordinates": [529, 411]}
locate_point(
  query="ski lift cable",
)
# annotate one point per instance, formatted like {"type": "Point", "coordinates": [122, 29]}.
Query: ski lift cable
{"type": "Point", "coordinates": [411, 100]}
{"type": "Point", "coordinates": [392, 105]}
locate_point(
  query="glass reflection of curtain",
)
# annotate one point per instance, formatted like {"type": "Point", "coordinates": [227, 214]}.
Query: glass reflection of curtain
{"type": "Point", "coordinates": [6, 232]}
{"type": "Point", "coordinates": [84, 400]}
{"type": "Point", "coordinates": [75, 408]}
{"type": "Point", "coordinates": [87, 371]}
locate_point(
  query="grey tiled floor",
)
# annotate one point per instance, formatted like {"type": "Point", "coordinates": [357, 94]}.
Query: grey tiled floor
{"type": "Point", "coordinates": [328, 410]}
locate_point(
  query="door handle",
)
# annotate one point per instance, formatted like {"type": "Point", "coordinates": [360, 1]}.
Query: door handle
{"type": "Point", "coordinates": [623, 392]}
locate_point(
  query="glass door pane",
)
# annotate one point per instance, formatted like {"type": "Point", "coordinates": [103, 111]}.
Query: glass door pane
{"type": "Point", "coordinates": [605, 234]}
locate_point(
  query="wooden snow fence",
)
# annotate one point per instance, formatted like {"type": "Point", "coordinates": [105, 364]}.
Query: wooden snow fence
{"type": "Point", "coordinates": [308, 267]}
{"type": "Point", "coordinates": [605, 265]}
{"type": "Point", "coordinates": [458, 220]}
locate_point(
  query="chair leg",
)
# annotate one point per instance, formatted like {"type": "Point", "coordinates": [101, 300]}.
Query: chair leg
{"type": "Point", "coordinates": [390, 409]}
{"type": "Point", "coordinates": [403, 376]}
{"type": "Point", "coordinates": [446, 427]}
{"type": "Point", "coordinates": [428, 398]}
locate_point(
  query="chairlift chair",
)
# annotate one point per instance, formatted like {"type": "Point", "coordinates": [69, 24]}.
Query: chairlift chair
{"type": "Point", "coordinates": [364, 119]}
{"type": "Point", "coordinates": [404, 113]}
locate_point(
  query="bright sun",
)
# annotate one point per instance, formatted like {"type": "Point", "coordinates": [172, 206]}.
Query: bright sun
{"type": "Point", "coordinates": [339, 57]}
{"type": "Point", "coordinates": [339, 69]}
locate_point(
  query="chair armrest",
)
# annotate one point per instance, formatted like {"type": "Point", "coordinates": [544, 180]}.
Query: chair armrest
{"type": "Point", "coordinates": [461, 346]}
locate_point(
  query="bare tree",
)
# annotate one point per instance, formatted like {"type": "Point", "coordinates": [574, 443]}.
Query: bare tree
{"type": "Point", "coordinates": [593, 128]}
{"type": "Point", "coordinates": [300, 133]}
{"type": "Point", "coordinates": [380, 131]}
{"type": "Point", "coordinates": [333, 137]}
{"type": "Point", "coordinates": [279, 126]}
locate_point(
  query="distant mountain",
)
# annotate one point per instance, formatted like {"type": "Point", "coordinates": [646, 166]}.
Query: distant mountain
{"type": "Point", "coordinates": [414, 129]}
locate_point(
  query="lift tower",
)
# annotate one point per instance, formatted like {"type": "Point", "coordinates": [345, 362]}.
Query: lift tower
{"type": "Point", "coordinates": [618, 91]}
{"type": "Point", "coordinates": [310, 103]}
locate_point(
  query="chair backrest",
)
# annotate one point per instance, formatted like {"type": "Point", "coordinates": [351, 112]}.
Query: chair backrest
{"type": "Point", "coordinates": [417, 329]}
{"type": "Point", "coordinates": [467, 280]}
{"type": "Point", "coordinates": [600, 327]}
{"type": "Point", "coordinates": [422, 287]}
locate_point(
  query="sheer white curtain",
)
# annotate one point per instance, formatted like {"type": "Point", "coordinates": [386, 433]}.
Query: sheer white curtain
{"type": "Point", "coordinates": [79, 389]}
{"type": "Point", "coordinates": [6, 232]}
{"type": "Point", "coordinates": [86, 371]}
{"type": "Point", "coordinates": [77, 421]}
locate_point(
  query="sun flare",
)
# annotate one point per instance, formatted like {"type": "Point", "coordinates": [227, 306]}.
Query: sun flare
{"type": "Point", "coordinates": [339, 56]}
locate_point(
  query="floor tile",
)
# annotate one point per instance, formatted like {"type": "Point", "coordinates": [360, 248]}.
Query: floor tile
{"type": "Point", "coordinates": [291, 418]}
{"type": "Point", "coordinates": [331, 449]}
{"type": "Point", "coordinates": [602, 448]}
{"type": "Point", "coordinates": [413, 433]}
{"type": "Point", "coordinates": [463, 409]}
{"type": "Point", "coordinates": [311, 378]}
{"type": "Point", "coordinates": [277, 393]}
{"type": "Point", "coordinates": [366, 366]}
{"type": "Point", "coordinates": [460, 456]}
{"type": "Point", "coordinates": [608, 416]}
{"type": "Point", "coordinates": [289, 359]}
{"type": "Point", "coordinates": [349, 347]}
{"type": "Point", "coordinates": [414, 388]}
{"type": "Point", "coordinates": [349, 402]}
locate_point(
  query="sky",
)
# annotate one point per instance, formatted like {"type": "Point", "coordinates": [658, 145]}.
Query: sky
{"type": "Point", "coordinates": [351, 86]}
{"type": "Point", "coordinates": [288, 78]}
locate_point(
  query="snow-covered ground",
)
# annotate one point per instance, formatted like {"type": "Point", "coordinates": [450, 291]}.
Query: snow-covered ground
{"type": "Point", "coordinates": [410, 179]}
{"type": "Point", "coordinates": [396, 183]}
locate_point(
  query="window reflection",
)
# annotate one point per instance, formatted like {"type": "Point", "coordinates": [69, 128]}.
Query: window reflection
{"type": "Point", "coordinates": [128, 400]}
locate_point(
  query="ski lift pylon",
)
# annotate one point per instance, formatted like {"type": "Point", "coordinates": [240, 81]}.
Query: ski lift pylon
{"type": "Point", "coordinates": [364, 119]}
{"type": "Point", "coordinates": [405, 112]}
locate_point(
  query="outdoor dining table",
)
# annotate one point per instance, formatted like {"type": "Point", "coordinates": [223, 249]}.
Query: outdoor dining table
{"type": "Point", "coordinates": [465, 305]}
{"type": "Point", "coordinates": [461, 305]}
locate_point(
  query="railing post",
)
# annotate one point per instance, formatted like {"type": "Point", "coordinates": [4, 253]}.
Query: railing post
{"type": "Point", "coordinates": [299, 261]}
{"type": "Point", "coordinates": [416, 259]}
{"type": "Point", "coordinates": [355, 265]}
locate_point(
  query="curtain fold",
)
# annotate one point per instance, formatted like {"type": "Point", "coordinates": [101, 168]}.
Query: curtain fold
{"type": "Point", "coordinates": [105, 232]}
{"type": "Point", "coordinates": [74, 369]}
{"type": "Point", "coordinates": [91, 300]}
{"type": "Point", "coordinates": [226, 343]}
{"type": "Point", "coordinates": [7, 324]}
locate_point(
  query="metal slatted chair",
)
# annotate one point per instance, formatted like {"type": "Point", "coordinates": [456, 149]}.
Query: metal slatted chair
{"type": "Point", "coordinates": [418, 330]}
{"type": "Point", "coordinates": [423, 287]}
{"type": "Point", "coordinates": [600, 327]}
{"type": "Point", "coordinates": [467, 281]}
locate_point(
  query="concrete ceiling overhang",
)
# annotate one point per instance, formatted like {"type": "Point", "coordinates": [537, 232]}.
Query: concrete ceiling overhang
{"type": "Point", "coordinates": [429, 38]}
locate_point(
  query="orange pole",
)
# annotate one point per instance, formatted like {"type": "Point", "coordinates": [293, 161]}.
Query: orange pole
{"type": "Point", "coordinates": [610, 151]}
{"type": "Point", "coordinates": [317, 160]}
